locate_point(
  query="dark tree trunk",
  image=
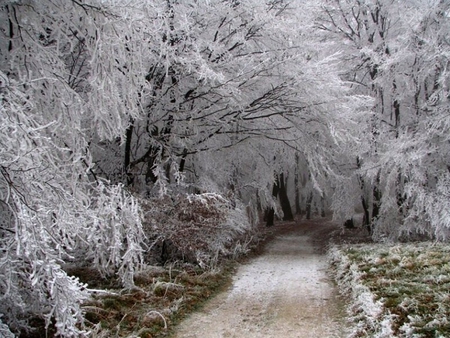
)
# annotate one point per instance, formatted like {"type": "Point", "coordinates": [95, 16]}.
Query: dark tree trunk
{"type": "Point", "coordinates": [183, 160]}
{"type": "Point", "coordinates": [298, 208]}
{"type": "Point", "coordinates": [284, 199]}
{"type": "Point", "coordinates": [401, 196]}
{"type": "Point", "coordinates": [165, 139]}
{"type": "Point", "coordinates": [376, 200]}
{"type": "Point", "coordinates": [127, 159]}
{"type": "Point", "coordinates": [322, 212]}
{"type": "Point", "coordinates": [396, 105]}
{"type": "Point", "coordinates": [149, 175]}
{"type": "Point", "coordinates": [397, 117]}
{"type": "Point", "coordinates": [270, 217]}
{"type": "Point", "coordinates": [365, 205]}
{"type": "Point", "coordinates": [11, 27]}
{"type": "Point", "coordinates": [309, 205]}
{"type": "Point", "coordinates": [270, 212]}
{"type": "Point", "coordinates": [366, 218]}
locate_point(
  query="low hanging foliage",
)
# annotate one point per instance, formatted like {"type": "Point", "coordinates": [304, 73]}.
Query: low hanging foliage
{"type": "Point", "coordinates": [56, 84]}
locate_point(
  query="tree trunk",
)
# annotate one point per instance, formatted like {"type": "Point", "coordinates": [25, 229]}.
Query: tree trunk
{"type": "Point", "coordinates": [270, 217]}
{"type": "Point", "coordinates": [183, 160]}
{"type": "Point", "coordinates": [270, 212]}
{"type": "Point", "coordinates": [401, 195]}
{"type": "Point", "coordinates": [366, 218]}
{"type": "Point", "coordinates": [298, 208]}
{"type": "Point", "coordinates": [149, 175]}
{"type": "Point", "coordinates": [322, 211]}
{"type": "Point", "coordinates": [284, 199]}
{"type": "Point", "coordinates": [365, 205]}
{"type": "Point", "coordinates": [309, 205]}
{"type": "Point", "coordinates": [127, 155]}
{"type": "Point", "coordinates": [11, 28]}
{"type": "Point", "coordinates": [376, 200]}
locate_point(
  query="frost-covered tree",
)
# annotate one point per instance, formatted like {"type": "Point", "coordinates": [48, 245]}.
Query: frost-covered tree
{"type": "Point", "coordinates": [396, 52]}
{"type": "Point", "coordinates": [71, 73]}
{"type": "Point", "coordinates": [414, 163]}
{"type": "Point", "coordinates": [238, 89]}
{"type": "Point", "coordinates": [363, 32]}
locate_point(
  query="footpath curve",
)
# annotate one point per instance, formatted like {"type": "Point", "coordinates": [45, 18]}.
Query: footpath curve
{"type": "Point", "coordinates": [283, 292]}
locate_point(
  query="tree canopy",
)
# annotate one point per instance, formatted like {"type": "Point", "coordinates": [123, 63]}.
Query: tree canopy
{"type": "Point", "coordinates": [108, 106]}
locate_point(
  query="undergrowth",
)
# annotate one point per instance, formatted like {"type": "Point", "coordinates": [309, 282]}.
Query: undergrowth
{"type": "Point", "coordinates": [161, 298]}
{"type": "Point", "coordinates": [193, 242]}
{"type": "Point", "coordinates": [396, 290]}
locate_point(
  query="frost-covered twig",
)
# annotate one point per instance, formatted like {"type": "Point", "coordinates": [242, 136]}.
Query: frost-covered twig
{"type": "Point", "coordinates": [160, 315]}
{"type": "Point", "coordinates": [102, 292]}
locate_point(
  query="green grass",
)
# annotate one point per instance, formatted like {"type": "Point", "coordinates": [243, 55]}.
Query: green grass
{"type": "Point", "coordinates": [409, 283]}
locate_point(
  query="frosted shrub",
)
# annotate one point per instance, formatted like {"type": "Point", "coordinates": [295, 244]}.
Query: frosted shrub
{"type": "Point", "coordinates": [116, 233]}
{"type": "Point", "coordinates": [195, 228]}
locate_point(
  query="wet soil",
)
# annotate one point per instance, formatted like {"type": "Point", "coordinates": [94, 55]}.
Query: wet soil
{"type": "Point", "coordinates": [284, 291]}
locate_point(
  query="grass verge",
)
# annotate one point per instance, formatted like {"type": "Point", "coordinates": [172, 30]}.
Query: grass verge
{"type": "Point", "coordinates": [162, 297]}
{"type": "Point", "coordinates": [395, 290]}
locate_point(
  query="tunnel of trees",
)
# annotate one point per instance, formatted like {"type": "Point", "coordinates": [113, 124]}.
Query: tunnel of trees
{"type": "Point", "coordinates": [121, 122]}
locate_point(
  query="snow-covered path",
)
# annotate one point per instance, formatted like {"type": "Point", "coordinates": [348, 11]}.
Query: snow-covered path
{"type": "Point", "coordinates": [284, 292]}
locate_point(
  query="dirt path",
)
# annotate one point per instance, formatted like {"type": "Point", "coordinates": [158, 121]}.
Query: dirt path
{"type": "Point", "coordinates": [284, 292]}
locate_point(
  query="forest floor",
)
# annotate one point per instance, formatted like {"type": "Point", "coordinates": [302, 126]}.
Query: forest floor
{"type": "Point", "coordinates": [284, 291]}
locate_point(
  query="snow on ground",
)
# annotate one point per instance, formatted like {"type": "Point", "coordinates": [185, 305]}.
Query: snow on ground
{"type": "Point", "coordinates": [285, 292]}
